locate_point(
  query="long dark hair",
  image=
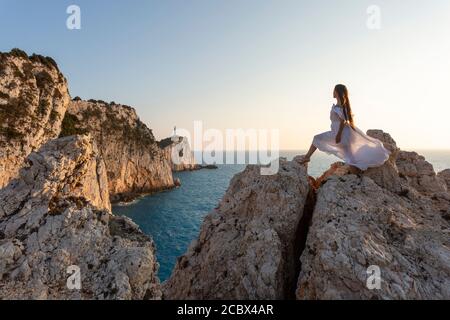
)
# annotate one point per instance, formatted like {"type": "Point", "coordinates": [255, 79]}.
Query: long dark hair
{"type": "Point", "coordinates": [342, 93]}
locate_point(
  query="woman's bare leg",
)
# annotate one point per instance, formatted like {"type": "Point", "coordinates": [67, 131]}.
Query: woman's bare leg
{"type": "Point", "coordinates": [307, 157]}
{"type": "Point", "coordinates": [311, 151]}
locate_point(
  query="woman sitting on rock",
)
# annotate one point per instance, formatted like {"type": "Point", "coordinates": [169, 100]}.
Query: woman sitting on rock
{"type": "Point", "coordinates": [345, 140]}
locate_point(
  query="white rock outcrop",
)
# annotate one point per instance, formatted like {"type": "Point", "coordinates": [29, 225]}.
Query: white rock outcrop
{"type": "Point", "coordinates": [357, 224]}
{"type": "Point", "coordinates": [134, 162]}
{"type": "Point", "coordinates": [445, 177]}
{"type": "Point", "coordinates": [419, 173]}
{"type": "Point", "coordinates": [395, 222]}
{"type": "Point", "coordinates": [247, 246]}
{"type": "Point", "coordinates": [33, 99]}
{"type": "Point", "coordinates": [56, 215]}
{"type": "Point", "coordinates": [178, 153]}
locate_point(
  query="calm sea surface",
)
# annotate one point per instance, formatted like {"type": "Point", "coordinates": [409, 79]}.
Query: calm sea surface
{"type": "Point", "coordinates": [173, 218]}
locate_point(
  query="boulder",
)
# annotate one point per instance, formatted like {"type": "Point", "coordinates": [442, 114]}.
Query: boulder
{"type": "Point", "coordinates": [386, 176]}
{"type": "Point", "coordinates": [356, 225]}
{"type": "Point", "coordinates": [419, 173]}
{"type": "Point", "coordinates": [445, 178]}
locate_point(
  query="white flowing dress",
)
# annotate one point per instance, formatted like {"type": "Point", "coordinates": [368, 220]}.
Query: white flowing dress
{"type": "Point", "coordinates": [356, 148]}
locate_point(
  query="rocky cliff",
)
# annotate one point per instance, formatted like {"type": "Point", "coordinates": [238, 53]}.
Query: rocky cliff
{"type": "Point", "coordinates": [394, 218]}
{"type": "Point", "coordinates": [395, 223]}
{"type": "Point", "coordinates": [178, 153]}
{"type": "Point", "coordinates": [248, 247]}
{"type": "Point", "coordinates": [445, 177]}
{"type": "Point", "coordinates": [56, 215]}
{"type": "Point", "coordinates": [135, 163]}
{"type": "Point", "coordinates": [33, 100]}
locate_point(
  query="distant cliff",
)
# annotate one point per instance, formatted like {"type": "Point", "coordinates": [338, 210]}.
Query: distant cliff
{"type": "Point", "coordinates": [290, 236]}
{"type": "Point", "coordinates": [179, 154]}
{"type": "Point", "coordinates": [56, 215]}
{"type": "Point", "coordinates": [33, 100]}
{"type": "Point", "coordinates": [135, 163]}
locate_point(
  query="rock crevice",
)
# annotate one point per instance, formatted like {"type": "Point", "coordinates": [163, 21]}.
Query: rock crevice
{"type": "Point", "coordinates": [389, 218]}
{"type": "Point", "coordinates": [302, 235]}
{"type": "Point", "coordinates": [279, 238]}
{"type": "Point", "coordinates": [246, 246]}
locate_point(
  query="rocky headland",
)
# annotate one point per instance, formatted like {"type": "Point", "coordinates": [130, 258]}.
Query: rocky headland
{"type": "Point", "coordinates": [178, 153]}
{"type": "Point", "coordinates": [290, 236]}
{"type": "Point", "coordinates": [33, 100]}
{"type": "Point", "coordinates": [135, 164]}
{"type": "Point", "coordinates": [55, 193]}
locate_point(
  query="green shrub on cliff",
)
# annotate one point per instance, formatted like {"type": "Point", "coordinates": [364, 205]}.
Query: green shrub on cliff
{"type": "Point", "coordinates": [15, 110]}
{"type": "Point", "coordinates": [18, 53]}
{"type": "Point", "coordinates": [71, 126]}
{"type": "Point", "coordinates": [4, 95]}
{"type": "Point", "coordinates": [46, 61]}
{"type": "Point", "coordinates": [53, 116]}
{"type": "Point", "coordinates": [2, 64]}
{"type": "Point", "coordinates": [91, 112]}
{"type": "Point", "coordinates": [43, 107]}
{"type": "Point", "coordinates": [28, 70]}
{"type": "Point", "coordinates": [10, 133]}
{"type": "Point", "coordinates": [43, 79]}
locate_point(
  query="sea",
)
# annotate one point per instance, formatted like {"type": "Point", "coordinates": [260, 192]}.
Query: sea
{"type": "Point", "coordinates": [173, 218]}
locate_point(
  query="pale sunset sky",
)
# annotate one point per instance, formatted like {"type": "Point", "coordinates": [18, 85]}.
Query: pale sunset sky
{"type": "Point", "coordinates": [263, 64]}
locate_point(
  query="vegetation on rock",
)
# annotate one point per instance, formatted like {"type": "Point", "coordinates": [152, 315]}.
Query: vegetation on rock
{"type": "Point", "coordinates": [70, 126]}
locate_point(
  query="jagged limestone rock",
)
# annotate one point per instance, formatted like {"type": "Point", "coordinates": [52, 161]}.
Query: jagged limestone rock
{"type": "Point", "coordinates": [247, 247]}
{"type": "Point", "coordinates": [393, 217]}
{"type": "Point", "coordinates": [445, 177]}
{"type": "Point", "coordinates": [357, 224]}
{"type": "Point", "coordinates": [386, 176]}
{"type": "Point", "coordinates": [56, 215]}
{"type": "Point", "coordinates": [134, 162]}
{"type": "Point", "coordinates": [419, 173]}
{"type": "Point", "coordinates": [178, 153]}
{"type": "Point", "coordinates": [33, 99]}
{"type": "Point", "coordinates": [388, 142]}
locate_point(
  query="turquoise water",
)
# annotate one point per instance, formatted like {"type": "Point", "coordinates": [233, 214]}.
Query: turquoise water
{"type": "Point", "coordinates": [173, 218]}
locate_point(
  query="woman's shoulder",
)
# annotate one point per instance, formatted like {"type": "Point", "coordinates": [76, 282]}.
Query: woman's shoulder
{"type": "Point", "coordinates": [339, 110]}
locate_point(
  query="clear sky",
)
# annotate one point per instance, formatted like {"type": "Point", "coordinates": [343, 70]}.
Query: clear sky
{"type": "Point", "coordinates": [251, 63]}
